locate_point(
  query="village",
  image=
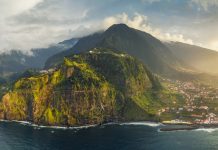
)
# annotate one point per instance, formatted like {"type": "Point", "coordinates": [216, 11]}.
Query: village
{"type": "Point", "coordinates": [200, 103]}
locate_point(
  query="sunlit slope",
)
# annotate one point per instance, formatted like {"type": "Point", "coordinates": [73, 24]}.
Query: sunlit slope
{"type": "Point", "coordinates": [93, 87]}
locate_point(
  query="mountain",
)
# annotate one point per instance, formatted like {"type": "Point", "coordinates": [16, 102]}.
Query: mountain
{"type": "Point", "coordinates": [16, 61]}
{"type": "Point", "coordinates": [92, 87]}
{"type": "Point", "coordinates": [59, 57]}
{"type": "Point", "coordinates": [202, 59]}
{"type": "Point", "coordinates": [151, 51]}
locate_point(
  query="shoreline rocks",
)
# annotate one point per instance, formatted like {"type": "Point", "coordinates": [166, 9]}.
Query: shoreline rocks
{"type": "Point", "coordinates": [179, 127]}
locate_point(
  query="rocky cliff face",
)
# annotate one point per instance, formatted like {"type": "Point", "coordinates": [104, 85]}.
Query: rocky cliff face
{"type": "Point", "coordinates": [89, 88]}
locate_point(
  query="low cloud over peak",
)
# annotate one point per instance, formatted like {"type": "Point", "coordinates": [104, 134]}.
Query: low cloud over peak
{"type": "Point", "coordinates": [141, 22]}
{"type": "Point", "coordinates": [39, 23]}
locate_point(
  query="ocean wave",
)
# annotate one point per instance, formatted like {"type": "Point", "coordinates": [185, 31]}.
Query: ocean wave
{"type": "Point", "coordinates": [209, 130]}
{"type": "Point", "coordinates": [36, 126]}
{"type": "Point", "coordinates": [159, 130]}
{"type": "Point", "coordinates": [1, 120]}
{"type": "Point", "coordinates": [151, 124]}
{"type": "Point", "coordinates": [22, 122]}
{"type": "Point", "coordinates": [62, 127]}
{"type": "Point", "coordinates": [83, 127]}
{"type": "Point", "coordinates": [110, 124]}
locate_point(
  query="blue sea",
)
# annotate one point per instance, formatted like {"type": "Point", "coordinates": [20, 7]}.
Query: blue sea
{"type": "Point", "coordinates": [129, 136]}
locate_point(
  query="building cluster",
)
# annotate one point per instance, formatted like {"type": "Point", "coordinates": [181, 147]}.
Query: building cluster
{"type": "Point", "coordinates": [199, 101]}
{"type": "Point", "coordinates": [51, 70]}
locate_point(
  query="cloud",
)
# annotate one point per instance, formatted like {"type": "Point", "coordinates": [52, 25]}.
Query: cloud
{"type": "Point", "coordinates": [52, 12]}
{"type": "Point", "coordinates": [205, 4]}
{"type": "Point", "coordinates": [38, 23]}
{"type": "Point", "coordinates": [11, 7]}
{"type": "Point", "coordinates": [26, 24]}
{"type": "Point", "coordinates": [46, 22]}
{"type": "Point", "coordinates": [149, 1]}
{"type": "Point", "coordinates": [140, 22]}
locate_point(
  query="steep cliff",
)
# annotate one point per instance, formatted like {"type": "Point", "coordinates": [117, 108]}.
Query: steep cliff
{"type": "Point", "coordinates": [93, 87]}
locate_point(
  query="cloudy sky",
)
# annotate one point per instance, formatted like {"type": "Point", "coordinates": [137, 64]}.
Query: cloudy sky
{"type": "Point", "coordinates": [26, 24]}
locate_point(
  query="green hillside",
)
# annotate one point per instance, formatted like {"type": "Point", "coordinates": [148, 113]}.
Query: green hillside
{"type": "Point", "coordinates": [89, 88]}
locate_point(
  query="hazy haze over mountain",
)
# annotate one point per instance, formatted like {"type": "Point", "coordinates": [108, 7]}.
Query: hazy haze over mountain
{"type": "Point", "coordinates": [17, 61]}
{"type": "Point", "coordinates": [203, 59]}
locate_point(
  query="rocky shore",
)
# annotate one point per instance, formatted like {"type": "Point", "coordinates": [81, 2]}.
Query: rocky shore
{"type": "Point", "coordinates": [179, 127]}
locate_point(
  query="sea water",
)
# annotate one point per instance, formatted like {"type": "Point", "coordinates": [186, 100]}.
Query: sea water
{"type": "Point", "coordinates": [124, 136]}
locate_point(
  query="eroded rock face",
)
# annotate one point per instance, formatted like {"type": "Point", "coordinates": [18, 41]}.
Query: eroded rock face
{"type": "Point", "coordinates": [89, 88]}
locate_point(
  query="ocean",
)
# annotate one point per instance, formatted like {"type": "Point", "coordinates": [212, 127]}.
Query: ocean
{"type": "Point", "coordinates": [128, 136]}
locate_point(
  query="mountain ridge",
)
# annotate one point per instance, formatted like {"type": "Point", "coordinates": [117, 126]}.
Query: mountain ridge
{"type": "Point", "coordinates": [88, 88]}
{"type": "Point", "coordinates": [202, 59]}
{"type": "Point", "coordinates": [142, 45]}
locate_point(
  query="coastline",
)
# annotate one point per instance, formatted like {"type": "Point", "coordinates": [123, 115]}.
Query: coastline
{"type": "Point", "coordinates": [181, 127]}
{"type": "Point", "coordinates": [47, 126]}
{"type": "Point", "coordinates": [163, 127]}
{"type": "Point", "coordinates": [135, 123]}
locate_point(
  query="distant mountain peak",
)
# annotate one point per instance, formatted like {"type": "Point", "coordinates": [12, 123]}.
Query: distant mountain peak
{"type": "Point", "coordinates": [123, 25]}
{"type": "Point", "coordinates": [120, 26]}
{"type": "Point", "coordinates": [137, 43]}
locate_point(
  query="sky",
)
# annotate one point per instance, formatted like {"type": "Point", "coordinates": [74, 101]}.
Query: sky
{"type": "Point", "coordinates": [27, 24]}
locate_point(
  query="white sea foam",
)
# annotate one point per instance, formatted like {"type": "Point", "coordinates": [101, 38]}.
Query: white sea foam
{"type": "Point", "coordinates": [83, 127]}
{"type": "Point", "coordinates": [1, 120]}
{"type": "Point", "coordinates": [51, 127]}
{"type": "Point", "coordinates": [209, 130]}
{"type": "Point", "coordinates": [110, 123]}
{"type": "Point", "coordinates": [62, 127]}
{"type": "Point", "coordinates": [36, 126]}
{"type": "Point", "coordinates": [22, 122]}
{"type": "Point", "coordinates": [151, 124]}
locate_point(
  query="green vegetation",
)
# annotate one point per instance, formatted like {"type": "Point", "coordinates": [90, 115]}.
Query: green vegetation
{"type": "Point", "coordinates": [90, 88]}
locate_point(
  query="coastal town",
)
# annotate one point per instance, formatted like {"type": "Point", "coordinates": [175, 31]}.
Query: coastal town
{"type": "Point", "coordinates": [200, 105]}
